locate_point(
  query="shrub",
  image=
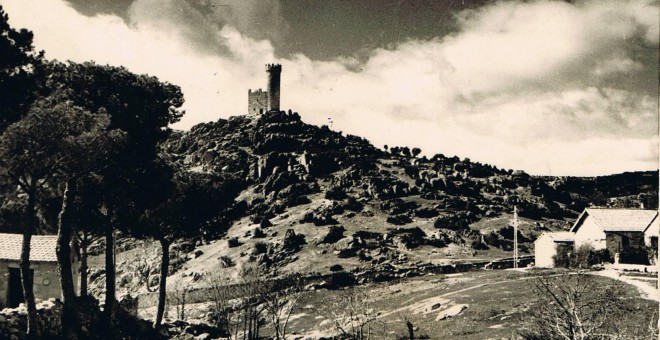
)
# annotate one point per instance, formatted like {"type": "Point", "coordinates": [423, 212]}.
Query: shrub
{"type": "Point", "coordinates": [226, 261]}
{"type": "Point", "coordinates": [581, 306]}
{"type": "Point", "coordinates": [260, 248]}
{"type": "Point", "coordinates": [584, 257]}
{"type": "Point", "coordinates": [259, 233]}
{"type": "Point", "coordinates": [426, 213]}
{"type": "Point", "coordinates": [335, 193]}
{"type": "Point", "coordinates": [634, 255]}
{"type": "Point", "coordinates": [399, 219]}
{"type": "Point", "coordinates": [355, 316]}
{"type": "Point", "coordinates": [233, 242]}
{"type": "Point", "coordinates": [340, 279]}
{"type": "Point", "coordinates": [353, 205]}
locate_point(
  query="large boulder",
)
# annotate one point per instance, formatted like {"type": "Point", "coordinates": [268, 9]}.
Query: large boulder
{"type": "Point", "coordinates": [335, 233]}
{"type": "Point", "coordinates": [293, 241]}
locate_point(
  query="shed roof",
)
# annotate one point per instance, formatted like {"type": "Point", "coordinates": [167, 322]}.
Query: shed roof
{"type": "Point", "coordinates": [636, 220]}
{"type": "Point", "coordinates": [559, 236]}
{"type": "Point", "coordinates": [42, 247]}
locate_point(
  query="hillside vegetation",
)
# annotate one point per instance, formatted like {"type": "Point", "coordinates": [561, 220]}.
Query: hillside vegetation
{"type": "Point", "coordinates": [306, 198]}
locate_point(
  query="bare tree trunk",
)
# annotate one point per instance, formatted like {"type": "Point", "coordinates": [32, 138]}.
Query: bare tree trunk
{"type": "Point", "coordinates": [162, 289]}
{"type": "Point", "coordinates": [411, 330]}
{"type": "Point", "coordinates": [63, 252]}
{"type": "Point", "coordinates": [33, 330]}
{"type": "Point", "coordinates": [83, 263]}
{"type": "Point", "coordinates": [109, 274]}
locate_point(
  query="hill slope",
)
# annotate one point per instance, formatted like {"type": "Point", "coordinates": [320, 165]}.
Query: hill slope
{"type": "Point", "coordinates": [313, 198]}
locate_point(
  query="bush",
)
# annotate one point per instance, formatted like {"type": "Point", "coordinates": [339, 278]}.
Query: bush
{"type": "Point", "coordinates": [399, 219]}
{"type": "Point", "coordinates": [584, 257]}
{"type": "Point", "coordinates": [581, 306]}
{"type": "Point", "coordinates": [426, 213]}
{"type": "Point", "coordinates": [637, 256]}
{"type": "Point", "coordinates": [340, 279]}
{"type": "Point", "coordinates": [226, 261]}
{"type": "Point", "coordinates": [335, 193]}
{"type": "Point", "coordinates": [260, 248]}
{"type": "Point", "coordinates": [233, 242]}
{"type": "Point", "coordinates": [259, 232]}
{"type": "Point", "coordinates": [353, 205]}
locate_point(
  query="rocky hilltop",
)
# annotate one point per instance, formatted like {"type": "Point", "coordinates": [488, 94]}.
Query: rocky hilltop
{"type": "Point", "coordinates": [308, 198]}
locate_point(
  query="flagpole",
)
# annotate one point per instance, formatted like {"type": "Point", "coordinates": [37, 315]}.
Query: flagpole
{"type": "Point", "coordinates": [515, 237]}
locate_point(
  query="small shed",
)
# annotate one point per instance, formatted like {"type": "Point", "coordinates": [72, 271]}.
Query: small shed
{"type": "Point", "coordinates": [43, 264]}
{"type": "Point", "coordinates": [617, 230]}
{"type": "Point", "coordinates": [550, 244]}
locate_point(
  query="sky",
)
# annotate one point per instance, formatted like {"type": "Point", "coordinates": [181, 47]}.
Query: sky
{"type": "Point", "coordinates": [548, 87]}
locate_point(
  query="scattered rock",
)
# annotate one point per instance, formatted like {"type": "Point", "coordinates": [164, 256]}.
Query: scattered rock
{"type": "Point", "coordinates": [451, 312]}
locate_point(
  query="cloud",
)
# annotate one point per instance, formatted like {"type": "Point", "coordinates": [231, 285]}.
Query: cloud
{"type": "Point", "coordinates": [541, 46]}
{"type": "Point", "coordinates": [547, 87]}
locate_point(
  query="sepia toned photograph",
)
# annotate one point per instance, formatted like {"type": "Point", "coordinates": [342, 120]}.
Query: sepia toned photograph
{"type": "Point", "coordinates": [329, 169]}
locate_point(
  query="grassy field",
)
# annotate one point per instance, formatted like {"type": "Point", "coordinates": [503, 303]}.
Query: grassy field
{"type": "Point", "coordinates": [495, 305]}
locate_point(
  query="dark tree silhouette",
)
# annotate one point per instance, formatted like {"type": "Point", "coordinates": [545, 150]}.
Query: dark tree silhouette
{"type": "Point", "coordinates": [34, 151]}
{"type": "Point", "coordinates": [140, 106]}
{"type": "Point", "coordinates": [18, 61]}
{"type": "Point", "coordinates": [193, 200]}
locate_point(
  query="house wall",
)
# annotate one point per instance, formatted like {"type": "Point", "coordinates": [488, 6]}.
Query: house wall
{"type": "Point", "coordinates": [590, 233]}
{"type": "Point", "coordinates": [46, 273]}
{"type": "Point", "coordinates": [620, 241]}
{"type": "Point", "coordinates": [544, 249]}
{"type": "Point", "coordinates": [46, 280]}
{"type": "Point", "coordinates": [651, 236]}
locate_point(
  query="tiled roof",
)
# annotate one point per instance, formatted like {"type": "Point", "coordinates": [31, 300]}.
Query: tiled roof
{"type": "Point", "coordinates": [42, 247]}
{"type": "Point", "coordinates": [618, 219]}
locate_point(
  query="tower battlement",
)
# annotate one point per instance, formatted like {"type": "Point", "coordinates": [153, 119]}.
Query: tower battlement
{"type": "Point", "coordinates": [273, 67]}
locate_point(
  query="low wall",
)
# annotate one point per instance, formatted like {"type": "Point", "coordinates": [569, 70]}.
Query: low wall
{"type": "Point", "coordinates": [13, 321]}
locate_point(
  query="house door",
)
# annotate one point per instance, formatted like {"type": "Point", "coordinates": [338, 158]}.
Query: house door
{"type": "Point", "coordinates": [625, 243]}
{"type": "Point", "coordinates": [15, 288]}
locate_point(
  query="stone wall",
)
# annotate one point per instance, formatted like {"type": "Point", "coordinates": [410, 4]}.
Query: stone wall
{"type": "Point", "coordinates": [257, 102]}
{"type": "Point", "coordinates": [13, 321]}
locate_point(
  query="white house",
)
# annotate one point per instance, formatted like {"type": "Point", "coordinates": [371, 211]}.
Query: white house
{"type": "Point", "coordinates": [43, 263]}
{"type": "Point", "coordinates": [617, 230]}
{"type": "Point", "coordinates": [549, 244]}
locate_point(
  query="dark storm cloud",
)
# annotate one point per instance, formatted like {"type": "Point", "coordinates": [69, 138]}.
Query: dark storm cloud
{"type": "Point", "coordinates": [95, 7]}
{"type": "Point", "coordinates": [324, 30]}
{"type": "Point", "coordinates": [321, 30]}
{"type": "Point", "coordinates": [569, 88]}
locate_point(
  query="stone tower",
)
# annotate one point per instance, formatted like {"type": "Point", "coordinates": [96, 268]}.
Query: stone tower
{"type": "Point", "coordinates": [274, 72]}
